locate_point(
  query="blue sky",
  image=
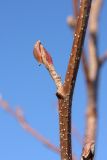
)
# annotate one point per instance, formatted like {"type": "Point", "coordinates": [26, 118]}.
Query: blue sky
{"type": "Point", "coordinates": [24, 83]}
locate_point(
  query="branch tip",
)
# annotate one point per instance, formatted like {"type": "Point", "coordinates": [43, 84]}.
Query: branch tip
{"type": "Point", "coordinates": [43, 57]}
{"type": "Point", "coordinates": [41, 54]}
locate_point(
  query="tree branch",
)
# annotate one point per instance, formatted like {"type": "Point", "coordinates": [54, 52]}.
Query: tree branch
{"type": "Point", "coordinates": [72, 23]}
{"type": "Point", "coordinates": [70, 78]}
{"type": "Point", "coordinates": [76, 5]}
{"type": "Point", "coordinates": [85, 66]}
{"type": "Point", "coordinates": [65, 104]}
{"type": "Point", "coordinates": [92, 84]}
{"type": "Point", "coordinates": [77, 46]}
{"type": "Point", "coordinates": [93, 48]}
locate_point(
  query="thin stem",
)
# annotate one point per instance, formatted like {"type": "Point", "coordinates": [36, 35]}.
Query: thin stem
{"type": "Point", "coordinates": [65, 104]}
{"type": "Point", "coordinates": [92, 84]}
{"type": "Point", "coordinates": [77, 46]}
{"type": "Point", "coordinates": [75, 4]}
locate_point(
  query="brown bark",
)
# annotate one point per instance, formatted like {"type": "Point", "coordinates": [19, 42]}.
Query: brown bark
{"type": "Point", "coordinates": [91, 70]}
{"type": "Point", "coordinates": [66, 91]}
{"type": "Point", "coordinates": [65, 104]}
{"type": "Point", "coordinates": [75, 5]}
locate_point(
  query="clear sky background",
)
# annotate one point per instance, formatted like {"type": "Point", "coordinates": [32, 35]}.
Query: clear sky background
{"type": "Point", "coordinates": [24, 83]}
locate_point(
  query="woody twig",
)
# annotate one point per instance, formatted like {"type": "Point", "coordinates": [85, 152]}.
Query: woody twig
{"type": "Point", "coordinates": [43, 57]}
{"type": "Point", "coordinates": [65, 100]}
{"type": "Point", "coordinates": [91, 69]}
{"type": "Point", "coordinates": [92, 84]}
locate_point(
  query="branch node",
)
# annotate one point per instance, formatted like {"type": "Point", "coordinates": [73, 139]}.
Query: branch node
{"type": "Point", "coordinates": [88, 153]}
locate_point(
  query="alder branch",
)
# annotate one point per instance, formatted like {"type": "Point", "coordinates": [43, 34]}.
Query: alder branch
{"type": "Point", "coordinates": [91, 73]}
{"type": "Point", "coordinates": [93, 28]}
{"type": "Point", "coordinates": [77, 46]}
{"type": "Point", "coordinates": [70, 78]}
{"type": "Point", "coordinates": [92, 84]}
{"type": "Point", "coordinates": [65, 104]}
{"type": "Point", "coordinates": [93, 23]}
{"type": "Point", "coordinates": [88, 150]}
{"type": "Point", "coordinates": [71, 21]}
{"type": "Point", "coordinates": [77, 134]}
{"type": "Point", "coordinates": [76, 7]}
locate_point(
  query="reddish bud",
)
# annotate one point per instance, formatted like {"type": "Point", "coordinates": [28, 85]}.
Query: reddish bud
{"type": "Point", "coordinates": [47, 56]}
{"type": "Point", "coordinates": [37, 52]}
{"type": "Point", "coordinates": [40, 52]}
